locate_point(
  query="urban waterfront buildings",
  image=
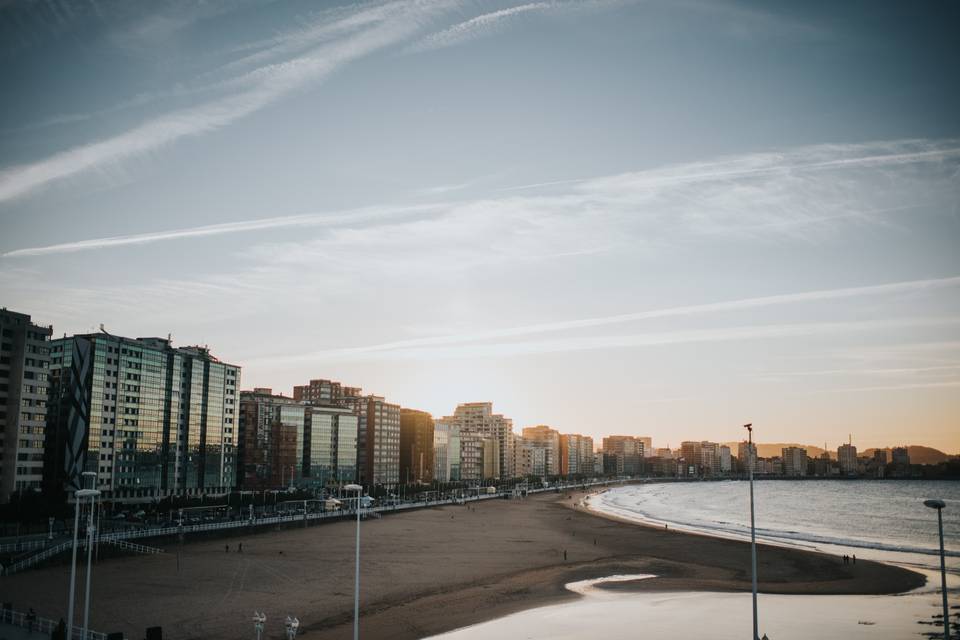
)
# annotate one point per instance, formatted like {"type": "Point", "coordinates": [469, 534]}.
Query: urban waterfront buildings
{"type": "Point", "coordinates": [270, 440]}
{"type": "Point", "coordinates": [24, 372]}
{"type": "Point", "coordinates": [576, 454]}
{"type": "Point", "coordinates": [847, 457]}
{"type": "Point", "coordinates": [330, 446]}
{"type": "Point", "coordinates": [149, 419]}
{"type": "Point", "coordinates": [794, 461]}
{"type": "Point", "coordinates": [416, 447]}
{"type": "Point", "coordinates": [446, 451]}
{"type": "Point", "coordinates": [477, 422]}
{"type": "Point", "coordinates": [623, 455]}
{"type": "Point", "coordinates": [547, 439]}
{"type": "Point", "coordinates": [378, 439]}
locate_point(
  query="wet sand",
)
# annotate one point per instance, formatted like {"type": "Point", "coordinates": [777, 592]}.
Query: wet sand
{"type": "Point", "coordinates": [423, 572]}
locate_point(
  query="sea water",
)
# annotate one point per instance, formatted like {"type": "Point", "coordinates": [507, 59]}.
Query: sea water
{"type": "Point", "coordinates": [883, 520]}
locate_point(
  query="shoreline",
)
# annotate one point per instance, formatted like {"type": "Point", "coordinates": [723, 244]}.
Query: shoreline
{"type": "Point", "coordinates": [427, 572]}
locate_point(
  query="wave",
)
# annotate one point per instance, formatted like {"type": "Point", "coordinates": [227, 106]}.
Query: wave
{"type": "Point", "coordinates": [734, 530]}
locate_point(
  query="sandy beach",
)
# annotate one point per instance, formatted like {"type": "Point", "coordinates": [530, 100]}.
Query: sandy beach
{"type": "Point", "coordinates": [423, 572]}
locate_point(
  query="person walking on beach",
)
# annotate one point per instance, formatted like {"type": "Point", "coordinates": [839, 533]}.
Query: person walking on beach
{"type": "Point", "coordinates": [226, 548]}
{"type": "Point", "coordinates": [564, 554]}
{"type": "Point", "coordinates": [854, 558]}
{"type": "Point", "coordinates": [240, 548]}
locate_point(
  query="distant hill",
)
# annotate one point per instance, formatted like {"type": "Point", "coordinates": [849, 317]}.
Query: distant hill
{"type": "Point", "coordinates": [773, 449]}
{"type": "Point", "coordinates": [918, 453]}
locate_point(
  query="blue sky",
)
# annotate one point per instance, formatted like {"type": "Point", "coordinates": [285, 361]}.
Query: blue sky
{"type": "Point", "coordinates": [659, 218]}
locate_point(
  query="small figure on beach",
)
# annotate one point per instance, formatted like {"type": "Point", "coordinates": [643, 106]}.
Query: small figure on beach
{"type": "Point", "coordinates": [240, 548]}
{"type": "Point", "coordinates": [564, 554]}
{"type": "Point", "coordinates": [594, 542]}
{"type": "Point", "coordinates": [226, 548]}
{"type": "Point", "coordinates": [854, 558]}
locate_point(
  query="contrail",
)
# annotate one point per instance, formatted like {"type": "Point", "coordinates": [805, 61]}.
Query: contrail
{"type": "Point", "coordinates": [305, 220]}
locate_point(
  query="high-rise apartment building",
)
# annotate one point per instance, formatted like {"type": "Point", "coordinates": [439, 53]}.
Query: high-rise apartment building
{"type": "Point", "coordinates": [794, 461]}
{"type": "Point", "coordinates": [270, 441]}
{"type": "Point", "coordinates": [330, 446]}
{"type": "Point", "coordinates": [576, 454]}
{"type": "Point", "coordinates": [747, 455]}
{"type": "Point", "coordinates": [478, 418]}
{"type": "Point", "coordinates": [378, 438]}
{"type": "Point", "coordinates": [726, 459]}
{"type": "Point", "coordinates": [446, 451]}
{"type": "Point", "coordinates": [531, 460]}
{"type": "Point", "coordinates": [647, 446]}
{"type": "Point", "coordinates": [847, 457]}
{"type": "Point", "coordinates": [548, 439]}
{"type": "Point", "coordinates": [322, 392]}
{"type": "Point", "coordinates": [375, 432]}
{"type": "Point", "coordinates": [585, 456]}
{"type": "Point", "coordinates": [479, 456]}
{"type": "Point", "coordinates": [149, 419]}
{"type": "Point", "coordinates": [416, 447]}
{"type": "Point", "coordinates": [624, 455]}
{"type": "Point", "coordinates": [24, 372]}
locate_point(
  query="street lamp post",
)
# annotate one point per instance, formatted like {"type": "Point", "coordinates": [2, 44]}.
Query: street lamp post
{"type": "Point", "coordinates": [356, 576]}
{"type": "Point", "coordinates": [939, 505]}
{"type": "Point", "coordinates": [90, 533]}
{"type": "Point", "coordinates": [259, 618]}
{"type": "Point", "coordinates": [753, 531]}
{"type": "Point", "coordinates": [78, 497]}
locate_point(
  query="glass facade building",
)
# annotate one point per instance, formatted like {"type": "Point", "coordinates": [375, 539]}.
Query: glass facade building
{"type": "Point", "coordinates": [149, 419]}
{"type": "Point", "coordinates": [330, 455]}
{"type": "Point", "coordinates": [271, 440]}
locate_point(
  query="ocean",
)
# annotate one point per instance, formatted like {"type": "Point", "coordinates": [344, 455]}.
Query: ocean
{"type": "Point", "coordinates": [882, 520]}
{"type": "Point", "coordinates": [875, 519]}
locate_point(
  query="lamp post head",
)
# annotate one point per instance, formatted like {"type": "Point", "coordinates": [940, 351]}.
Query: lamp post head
{"type": "Point", "coordinates": [934, 504]}
{"type": "Point", "coordinates": [353, 487]}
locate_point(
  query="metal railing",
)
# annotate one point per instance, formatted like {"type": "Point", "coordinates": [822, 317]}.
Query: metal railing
{"type": "Point", "coordinates": [136, 548]}
{"type": "Point", "coordinates": [42, 625]}
{"type": "Point", "coordinates": [374, 512]}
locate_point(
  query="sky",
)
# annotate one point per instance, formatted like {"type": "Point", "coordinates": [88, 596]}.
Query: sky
{"type": "Point", "coordinates": [662, 218]}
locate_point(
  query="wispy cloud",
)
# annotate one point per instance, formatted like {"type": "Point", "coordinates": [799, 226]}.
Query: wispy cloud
{"type": "Point", "coordinates": [456, 346]}
{"type": "Point", "coordinates": [354, 217]}
{"type": "Point", "coordinates": [252, 91]}
{"type": "Point", "coordinates": [797, 193]}
{"type": "Point", "coordinates": [476, 27]}
{"type": "Point", "coordinates": [946, 384]}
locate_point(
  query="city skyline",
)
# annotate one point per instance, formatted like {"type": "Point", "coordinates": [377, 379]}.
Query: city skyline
{"type": "Point", "coordinates": [553, 206]}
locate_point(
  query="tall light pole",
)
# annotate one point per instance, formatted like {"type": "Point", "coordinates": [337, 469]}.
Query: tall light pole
{"type": "Point", "coordinates": [90, 531]}
{"type": "Point", "coordinates": [78, 497]}
{"type": "Point", "coordinates": [939, 505]}
{"type": "Point", "coordinates": [753, 530]}
{"type": "Point", "coordinates": [356, 575]}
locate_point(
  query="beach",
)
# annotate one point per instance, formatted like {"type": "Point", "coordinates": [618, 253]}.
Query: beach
{"type": "Point", "coordinates": [424, 572]}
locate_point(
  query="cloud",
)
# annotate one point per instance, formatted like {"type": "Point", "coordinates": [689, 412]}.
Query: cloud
{"type": "Point", "coordinates": [452, 346]}
{"type": "Point", "coordinates": [251, 92]}
{"type": "Point", "coordinates": [800, 193]}
{"type": "Point", "coordinates": [307, 220]}
{"type": "Point", "coordinates": [476, 27]}
{"type": "Point", "coordinates": [428, 351]}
